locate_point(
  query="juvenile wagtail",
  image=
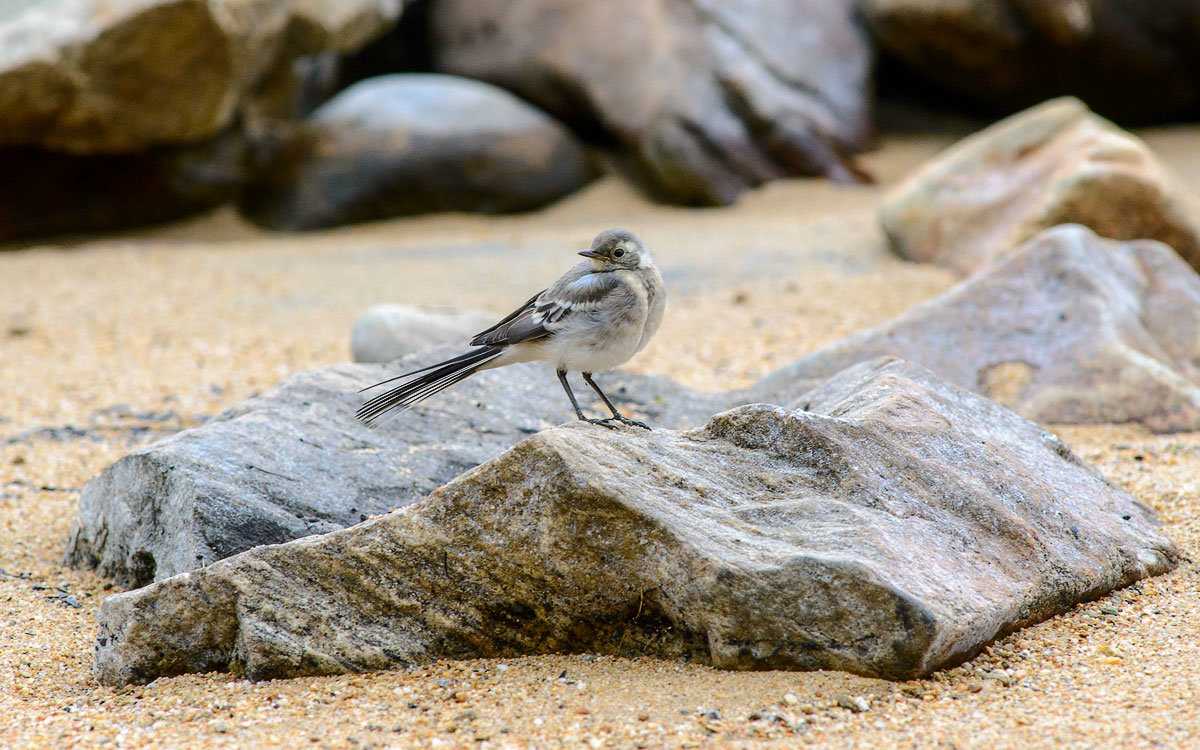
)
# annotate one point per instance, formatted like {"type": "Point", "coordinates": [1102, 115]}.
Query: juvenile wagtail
{"type": "Point", "coordinates": [594, 318]}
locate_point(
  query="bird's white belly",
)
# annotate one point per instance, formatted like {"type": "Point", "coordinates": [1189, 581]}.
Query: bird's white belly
{"type": "Point", "coordinates": [594, 348]}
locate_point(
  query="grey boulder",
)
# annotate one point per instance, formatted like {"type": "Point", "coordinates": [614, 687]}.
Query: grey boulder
{"type": "Point", "coordinates": [385, 332]}
{"type": "Point", "coordinates": [412, 143]}
{"type": "Point", "coordinates": [295, 462]}
{"type": "Point", "coordinates": [705, 98]}
{"type": "Point", "coordinates": [1056, 163]}
{"type": "Point", "coordinates": [894, 529]}
{"type": "Point", "coordinates": [1070, 328]}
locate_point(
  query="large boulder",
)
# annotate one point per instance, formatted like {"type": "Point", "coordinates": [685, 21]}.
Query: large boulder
{"type": "Point", "coordinates": [1070, 328]}
{"type": "Point", "coordinates": [1130, 59]}
{"type": "Point", "coordinates": [894, 529]}
{"type": "Point", "coordinates": [412, 143]}
{"type": "Point", "coordinates": [294, 462]}
{"type": "Point", "coordinates": [1055, 164]}
{"type": "Point", "coordinates": [109, 76]}
{"type": "Point", "coordinates": [707, 97]}
{"type": "Point", "coordinates": [386, 332]}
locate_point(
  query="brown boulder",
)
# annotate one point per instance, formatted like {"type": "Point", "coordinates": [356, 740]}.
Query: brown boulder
{"type": "Point", "coordinates": [1055, 164]}
{"type": "Point", "coordinates": [108, 76]}
{"type": "Point", "coordinates": [707, 98]}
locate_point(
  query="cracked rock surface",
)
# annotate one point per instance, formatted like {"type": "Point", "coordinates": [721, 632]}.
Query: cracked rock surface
{"type": "Point", "coordinates": [706, 98]}
{"type": "Point", "coordinates": [896, 528]}
{"type": "Point", "coordinates": [1070, 328]}
{"type": "Point", "coordinates": [294, 461]}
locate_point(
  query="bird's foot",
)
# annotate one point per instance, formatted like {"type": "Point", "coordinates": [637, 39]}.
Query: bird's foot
{"type": "Point", "coordinates": [601, 422]}
{"type": "Point", "coordinates": [628, 421]}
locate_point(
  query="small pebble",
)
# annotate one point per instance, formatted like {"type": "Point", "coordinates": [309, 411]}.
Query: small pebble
{"type": "Point", "coordinates": [854, 703]}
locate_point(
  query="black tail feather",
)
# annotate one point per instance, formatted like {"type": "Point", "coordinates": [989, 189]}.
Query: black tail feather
{"type": "Point", "coordinates": [437, 378]}
{"type": "Point", "coordinates": [460, 358]}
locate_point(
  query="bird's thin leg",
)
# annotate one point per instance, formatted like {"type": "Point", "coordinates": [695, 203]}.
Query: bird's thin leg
{"type": "Point", "coordinates": [587, 378]}
{"type": "Point", "coordinates": [562, 378]}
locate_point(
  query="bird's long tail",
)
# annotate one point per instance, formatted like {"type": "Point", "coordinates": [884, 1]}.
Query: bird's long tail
{"type": "Point", "coordinates": [435, 378]}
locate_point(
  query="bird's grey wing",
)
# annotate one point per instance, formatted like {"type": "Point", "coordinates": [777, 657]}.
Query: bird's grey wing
{"type": "Point", "coordinates": [494, 334]}
{"type": "Point", "coordinates": [552, 309]}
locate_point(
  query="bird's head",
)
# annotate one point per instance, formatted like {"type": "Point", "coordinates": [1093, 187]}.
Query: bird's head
{"type": "Point", "coordinates": [614, 249]}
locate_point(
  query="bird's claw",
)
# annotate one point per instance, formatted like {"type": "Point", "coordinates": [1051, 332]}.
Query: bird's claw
{"type": "Point", "coordinates": [628, 421]}
{"type": "Point", "coordinates": [602, 423]}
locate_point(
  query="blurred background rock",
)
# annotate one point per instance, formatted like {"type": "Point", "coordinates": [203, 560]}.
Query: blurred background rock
{"type": "Point", "coordinates": [116, 113]}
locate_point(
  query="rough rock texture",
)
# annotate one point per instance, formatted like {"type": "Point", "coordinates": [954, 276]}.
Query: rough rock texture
{"type": "Point", "coordinates": [1055, 164]}
{"type": "Point", "coordinates": [1070, 328]}
{"type": "Point", "coordinates": [708, 98]}
{"type": "Point", "coordinates": [75, 75]}
{"type": "Point", "coordinates": [385, 332]}
{"type": "Point", "coordinates": [44, 192]}
{"type": "Point", "coordinates": [1132, 60]}
{"type": "Point", "coordinates": [411, 143]}
{"type": "Point", "coordinates": [895, 529]}
{"type": "Point", "coordinates": [295, 462]}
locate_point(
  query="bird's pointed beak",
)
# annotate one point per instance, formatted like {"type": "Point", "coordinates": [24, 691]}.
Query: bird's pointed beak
{"type": "Point", "coordinates": [591, 254]}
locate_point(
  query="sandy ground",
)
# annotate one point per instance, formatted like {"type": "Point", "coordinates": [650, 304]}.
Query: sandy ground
{"type": "Point", "coordinates": [107, 344]}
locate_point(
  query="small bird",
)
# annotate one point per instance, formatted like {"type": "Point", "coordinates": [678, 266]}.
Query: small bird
{"type": "Point", "coordinates": [594, 318]}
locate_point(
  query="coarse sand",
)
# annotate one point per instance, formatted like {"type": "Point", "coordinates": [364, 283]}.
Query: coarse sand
{"type": "Point", "coordinates": [106, 344]}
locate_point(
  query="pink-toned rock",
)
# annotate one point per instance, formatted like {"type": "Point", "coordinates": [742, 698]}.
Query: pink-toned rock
{"type": "Point", "coordinates": [1054, 164]}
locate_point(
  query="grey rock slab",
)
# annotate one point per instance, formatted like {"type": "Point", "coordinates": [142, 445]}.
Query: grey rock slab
{"type": "Point", "coordinates": [1056, 163]}
{"type": "Point", "coordinates": [894, 529]}
{"type": "Point", "coordinates": [704, 98]}
{"type": "Point", "coordinates": [412, 143]}
{"type": "Point", "coordinates": [1070, 328]}
{"type": "Point", "coordinates": [295, 462]}
{"type": "Point", "coordinates": [385, 332]}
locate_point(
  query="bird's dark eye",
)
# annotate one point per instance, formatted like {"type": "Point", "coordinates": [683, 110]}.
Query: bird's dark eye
{"type": "Point", "coordinates": [618, 253]}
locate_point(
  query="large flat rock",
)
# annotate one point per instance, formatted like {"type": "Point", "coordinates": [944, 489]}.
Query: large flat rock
{"type": "Point", "coordinates": [894, 529]}
{"type": "Point", "coordinates": [295, 462]}
{"type": "Point", "coordinates": [1070, 328]}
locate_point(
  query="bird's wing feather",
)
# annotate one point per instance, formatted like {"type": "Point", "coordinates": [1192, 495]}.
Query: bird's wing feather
{"type": "Point", "coordinates": [483, 338]}
{"type": "Point", "coordinates": [577, 292]}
